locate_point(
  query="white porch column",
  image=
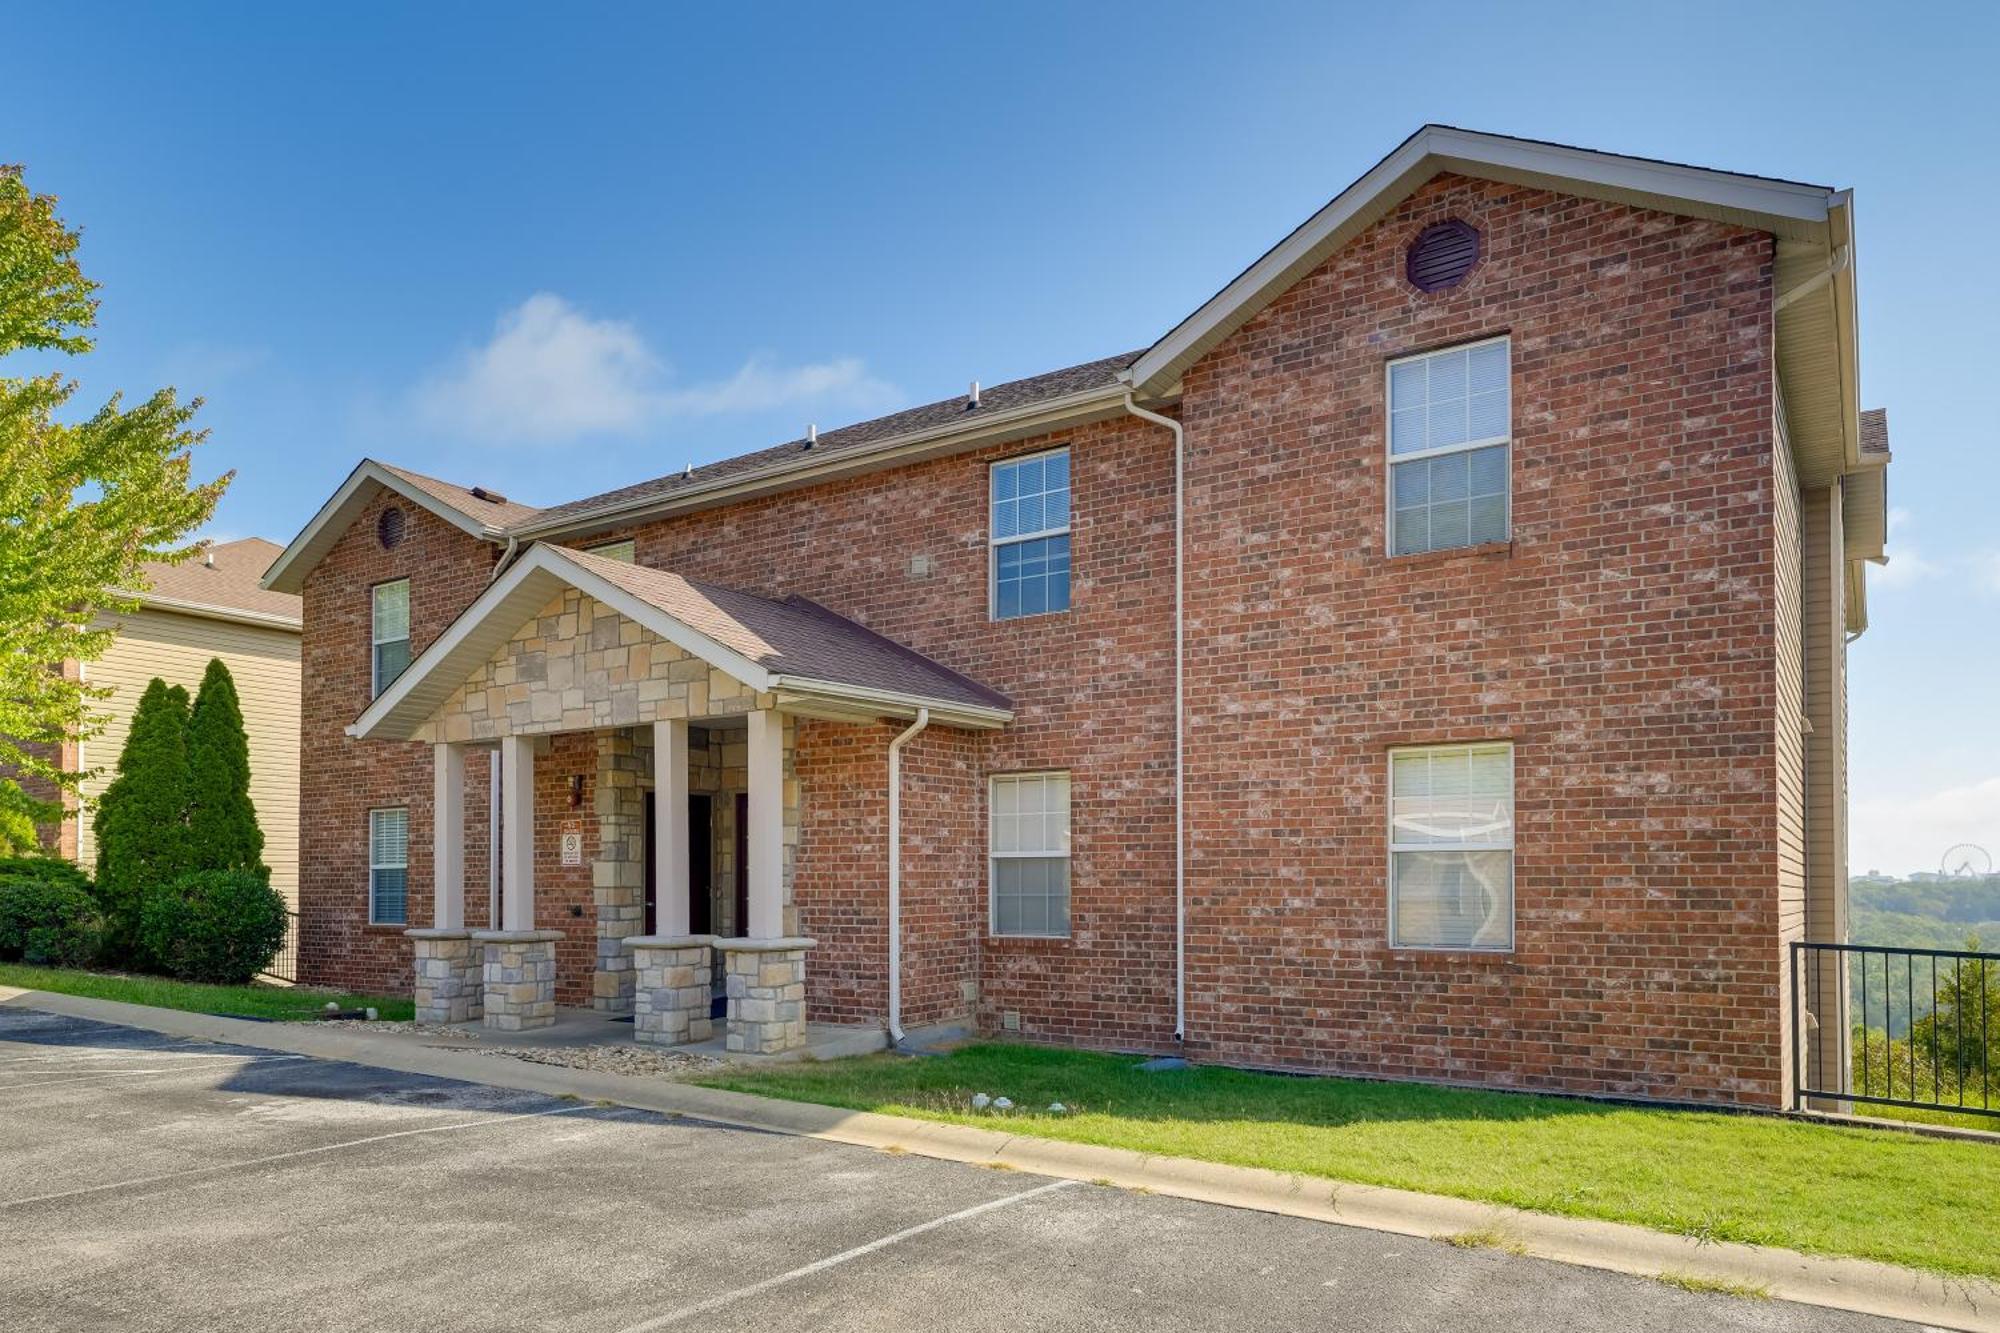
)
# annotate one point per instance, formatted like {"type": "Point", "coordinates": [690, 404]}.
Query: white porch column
{"type": "Point", "coordinates": [766, 835]}
{"type": "Point", "coordinates": [517, 851]}
{"type": "Point", "coordinates": [448, 837]}
{"type": "Point", "coordinates": [670, 828]}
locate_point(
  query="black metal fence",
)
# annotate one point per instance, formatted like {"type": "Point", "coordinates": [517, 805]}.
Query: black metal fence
{"type": "Point", "coordinates": [284, 966]}
{"type": "Point", "coordinates": [1923, 1026]}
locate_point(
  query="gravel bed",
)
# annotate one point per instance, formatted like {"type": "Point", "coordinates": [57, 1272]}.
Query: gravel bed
{"type": "Point", "coordinates": [394, 1025]}
{"type": "Point", "coordinates": [643, 1061]}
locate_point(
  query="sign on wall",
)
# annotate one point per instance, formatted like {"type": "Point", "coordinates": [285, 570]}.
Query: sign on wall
{"type": "Point", "coordinates": [572, 842]}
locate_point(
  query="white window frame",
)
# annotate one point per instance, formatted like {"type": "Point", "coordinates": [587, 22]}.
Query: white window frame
{"type": "Point", "coordinates": [627, 545]}
{"type": "Point", "coordinates": [993, 858]}
{"type": "Point", "coordinates": [375, 639]}
{"type": "Point", "coordinates": [1513, 888]}
{"type": "Point", "coordinates": [995, 542]}
{"type": "Point", "coordinates": [1393, 458]}
{"type": "Point", "coordinates": [374, 866]}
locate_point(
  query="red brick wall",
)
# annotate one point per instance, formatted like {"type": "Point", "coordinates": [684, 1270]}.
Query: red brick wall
{"type": "Point", "coordinates": [1623, 642]}
{"type": "Point", "coordinates": [341, 779]}
{"type": "Point", "coordinates": [564, 897]}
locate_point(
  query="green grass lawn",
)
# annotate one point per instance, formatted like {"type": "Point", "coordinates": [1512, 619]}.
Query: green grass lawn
{"type": "Point", "coordinates": [253, 1001]}
{"type": "Point", "coordinates": [1879, 1194]}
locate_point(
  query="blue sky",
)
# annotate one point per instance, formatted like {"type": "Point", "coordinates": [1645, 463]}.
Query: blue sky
{"type": "Point", "coordinates": [555, 249]}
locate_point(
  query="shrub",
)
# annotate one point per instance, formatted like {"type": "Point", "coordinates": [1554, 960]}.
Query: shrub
{"type": "Point", "coordinates": [141, 822]}
{"type": "Point", "coordinates": [213, 925]}
{"type": "Point", "coordinates": [48, 914]}
{"type": "Point", "coordinates": [222, 830]}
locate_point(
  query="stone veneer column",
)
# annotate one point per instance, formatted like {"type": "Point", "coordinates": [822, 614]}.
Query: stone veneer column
{"type": "Point", "coordinates": [520, 977]}
{"type": "Point", "coordinates": [449, 988]}
{"type": "Point", "coordinates": [618, 875]}
{"type": "Point", "coordinates": [766, 983]}
{"type": "Point", "coordinates": [671, 1004]}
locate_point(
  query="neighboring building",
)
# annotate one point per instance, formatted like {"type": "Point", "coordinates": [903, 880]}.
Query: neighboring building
{"type": "Point", "coordinates": [1524, 510]}
{"type": "Point", "coordinates": [205, 608]}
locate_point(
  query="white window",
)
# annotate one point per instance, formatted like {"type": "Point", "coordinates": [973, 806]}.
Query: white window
{"type": "Point", "coordinates": [392, 632]}
{"type": "Point", "coordinates": [1028, 832]}
{"type": "Point", "coordinates": [389, 867]}
{"type": "Point", "coordinates": [1451, 847]}
{"type": "Point", "coordinates": [1450, 416]}
{"type": "Point", "coordinates": [1030, 535]}
{"type": "Point", "coordinates": [623, 552]}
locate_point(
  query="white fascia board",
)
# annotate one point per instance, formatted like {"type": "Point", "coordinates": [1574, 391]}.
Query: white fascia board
{"type": "Point", "coordinates": [210, 611]}
{"type": "Point", "coordinates": [1786, 207]}
{"type": "Point", "coordinates": [805, 468]}
{"type": "Point", "coordinates": [894, 703]}
{"type": "Point", "coordinates": [288, 572]}
{"type": "Point", "coordinates": [388, 716]}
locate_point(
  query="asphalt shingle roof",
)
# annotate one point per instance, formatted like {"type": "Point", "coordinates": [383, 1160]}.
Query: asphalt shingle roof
{"type": "Point", "coordinates": [230, 583]}
{"type": "Point", "coordinates": [796, 637]}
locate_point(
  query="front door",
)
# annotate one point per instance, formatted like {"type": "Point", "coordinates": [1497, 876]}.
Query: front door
{"type": "Point", "coordinates": [652, 914]}
{"type": "Point", "coordinates": [742, 863]}
{"type": "Point", "coordinates": [701, 866]}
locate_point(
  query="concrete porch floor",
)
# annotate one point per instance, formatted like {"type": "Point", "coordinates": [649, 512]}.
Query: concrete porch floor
{"type": "Point", "coordinates": [587, 1027]}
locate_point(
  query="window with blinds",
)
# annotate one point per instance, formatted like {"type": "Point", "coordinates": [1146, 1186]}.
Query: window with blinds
{"type": "Point", "coordinates": [389, 867]}
{"type": "Point", "coordinates": [1028, 836]}
{"type": "Point", "coordinates": [1450, 416]}
{"type": "Point", "coordinates": [1451, 847]}
{"type": "Point", "coordinates": [391, 633]}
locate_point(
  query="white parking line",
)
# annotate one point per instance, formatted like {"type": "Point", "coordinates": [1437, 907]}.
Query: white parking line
{"type": "Point", "coordinates": [119, 1053]}
{"type": "Point", "coordinates": [284, 1156]}
{"type": "Point", "coordinates": [715, 1303]}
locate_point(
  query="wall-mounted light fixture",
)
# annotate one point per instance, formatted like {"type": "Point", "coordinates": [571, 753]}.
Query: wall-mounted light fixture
{"type": "Point", "coordinates": [575, 791]}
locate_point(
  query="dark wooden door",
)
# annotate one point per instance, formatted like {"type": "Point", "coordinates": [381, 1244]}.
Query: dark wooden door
{"type": "Point", "coordinates": [742, 863]}
{"type": "Point", "coordinates": [652, 913]}
{"type": "Point", "coordinates": [701, 867]}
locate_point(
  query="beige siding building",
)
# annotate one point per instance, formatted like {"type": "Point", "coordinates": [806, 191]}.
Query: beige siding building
{"type": "Point", "coordinates": [210, 607]}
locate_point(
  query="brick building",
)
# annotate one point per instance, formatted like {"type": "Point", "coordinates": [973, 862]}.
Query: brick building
{"type": "Point", "coordinates": [1425, 660]}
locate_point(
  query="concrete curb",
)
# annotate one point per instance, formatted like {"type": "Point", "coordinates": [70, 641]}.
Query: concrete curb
{"type": "Point", "coordinates": [1860, 1285]}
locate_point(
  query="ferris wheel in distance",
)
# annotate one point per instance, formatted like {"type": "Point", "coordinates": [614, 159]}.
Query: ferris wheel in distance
{"type": "Point", "coordinates": [1965, 860]}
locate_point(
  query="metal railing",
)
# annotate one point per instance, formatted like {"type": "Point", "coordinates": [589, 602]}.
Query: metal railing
{"type": "Point", "coordinates": [284, 965]}
{"type": "Point", "coordinates": [1922, 1026]}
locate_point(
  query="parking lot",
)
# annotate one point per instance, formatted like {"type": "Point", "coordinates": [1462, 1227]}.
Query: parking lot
{"type": "Point", "coordinates": [150, 1183]}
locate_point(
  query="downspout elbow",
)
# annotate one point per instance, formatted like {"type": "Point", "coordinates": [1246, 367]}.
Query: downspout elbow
{"type": "Point", "coordinates": [896, 872]}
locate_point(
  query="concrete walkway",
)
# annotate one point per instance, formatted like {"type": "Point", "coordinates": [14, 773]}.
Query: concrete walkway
{"type": "Point", "coordinates": [1844, 1284]}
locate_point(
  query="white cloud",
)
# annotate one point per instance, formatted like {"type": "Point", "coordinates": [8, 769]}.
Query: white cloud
{"type": "Point", "coordinates": [553, 373]}
{"type": "Point", "coordinates": [1900, 834]}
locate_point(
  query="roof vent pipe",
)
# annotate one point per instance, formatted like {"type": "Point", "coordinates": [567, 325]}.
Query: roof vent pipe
{"type": "Point", "coordinates": [208, 555]}
{"type": "Point", "coordinates": [812, 435]}
{"type": "Point", "coordinates": [972, 399]}
{"type": "Point", "coordinates": [687, 470]}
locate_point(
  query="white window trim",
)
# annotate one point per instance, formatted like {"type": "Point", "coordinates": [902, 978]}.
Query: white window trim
{"type": "Point", "coordinates": [1393, 458]}
{"type": "Point", "coordinates": [404, 811]}
{"type": "Point", "coordinates": [994, 542]}
{"type": "Point", "coordinates": [375, 639]}
{"type": "Point", "coordinates": [1389, 860]}
{"type": "Point", "coordinates": [602, 547]}
{"type": "Point", "coordinates": [993, 859]}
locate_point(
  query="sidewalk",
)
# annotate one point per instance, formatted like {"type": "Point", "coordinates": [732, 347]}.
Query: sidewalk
{"type": "Point", "coordinates": [1847, 1284]}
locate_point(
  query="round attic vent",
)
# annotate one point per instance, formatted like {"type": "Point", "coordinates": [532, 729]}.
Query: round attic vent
{"type": "Point", "coordinates": [389, 528]}
{"type": "Point", "coordinates": [1442, 255]}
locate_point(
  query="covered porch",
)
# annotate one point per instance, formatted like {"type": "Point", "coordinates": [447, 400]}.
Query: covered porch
{"type": "Point", "coordinates": [639, 734]}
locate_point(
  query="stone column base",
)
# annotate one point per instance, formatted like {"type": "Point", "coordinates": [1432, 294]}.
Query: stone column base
{"type": "Point", "coordinates": [766, 984]}
{"type": "Point", "coordinates": [671, 1003]}
{"type": "Point", "coordinates": [520, 972]}
{"type": "Point", "coordinates": [449, 989]}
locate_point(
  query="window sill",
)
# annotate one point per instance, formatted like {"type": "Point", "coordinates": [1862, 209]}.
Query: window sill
{"type": "Point", "coordinates": [1488, 550]}
{"type": "Point", "coordinates": [1064, 940]}
{"type": "Point", "coordinates": [384, 928]}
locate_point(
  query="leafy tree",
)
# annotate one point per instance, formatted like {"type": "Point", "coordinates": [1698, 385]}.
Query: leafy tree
{"type": "Point", "coordinates": [83, 505]}
{"type": "Point", "coordinates": [222, 830]}
{"type": "Point", "coordinates": [1962, 1036]}
{"type": "Point", "coordinates": [141, 823]}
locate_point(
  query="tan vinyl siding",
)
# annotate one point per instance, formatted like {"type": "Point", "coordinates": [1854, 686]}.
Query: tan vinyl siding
{"type": "Point", "coordinates": [1788, 600]}
{"type": "Point", "coordinates": [177, 648]}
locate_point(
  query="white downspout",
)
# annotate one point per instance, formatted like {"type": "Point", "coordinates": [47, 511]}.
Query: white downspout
{"type": "Point", "coordinates": [896, 873]}
{"type": "Point", "coordinates": [1180, 823]}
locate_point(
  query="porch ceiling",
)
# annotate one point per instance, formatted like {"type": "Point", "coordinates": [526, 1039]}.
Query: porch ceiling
{"type": "Point", "coordinates": [809, 659]}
